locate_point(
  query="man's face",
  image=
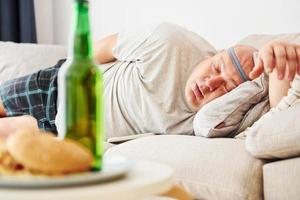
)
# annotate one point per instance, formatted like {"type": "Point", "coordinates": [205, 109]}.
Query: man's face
{"type": "Point", "coordinates": [213, 78]}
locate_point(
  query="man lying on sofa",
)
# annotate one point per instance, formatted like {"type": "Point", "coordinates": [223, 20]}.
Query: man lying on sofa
{"type": "Point", "coordinates": [155, 81]}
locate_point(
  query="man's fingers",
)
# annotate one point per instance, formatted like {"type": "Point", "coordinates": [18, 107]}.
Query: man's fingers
{"type": "Point", "coordinates": [258, 69]}
{"type": "Point", "coordinates": [267, 56]}
{"type": "Point", "coordinates": [292, 62]}
{"type": "Point", "coordinates": [280, 55]}
{"type": "Point", "coordinates": [283, 57]}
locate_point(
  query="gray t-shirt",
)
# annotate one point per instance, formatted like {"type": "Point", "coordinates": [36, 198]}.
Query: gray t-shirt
{"type": "Point", "coordinates": [144, 88]}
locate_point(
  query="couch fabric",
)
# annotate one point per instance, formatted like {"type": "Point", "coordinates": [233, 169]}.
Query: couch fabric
{"type": "Point", "coordinates": [18, 60]}
{"type": "Point", "coordinates": [281, 180]}
{"type": "Point", "coordinates": [258, 40]}
{"type": "Point", "coordinates": [208, 168]}
{"type": "Point", "coordinates": [281, 141]}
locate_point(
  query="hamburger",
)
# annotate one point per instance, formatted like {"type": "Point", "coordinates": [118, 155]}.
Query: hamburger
{"type": "Point", "coordinates": [33, 152]}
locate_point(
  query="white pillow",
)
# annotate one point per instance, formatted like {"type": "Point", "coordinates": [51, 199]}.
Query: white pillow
{"type": "Point", "coordinates": [229, 110]}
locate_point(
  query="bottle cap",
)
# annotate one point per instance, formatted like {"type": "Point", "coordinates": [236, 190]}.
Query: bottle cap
{"type": "Point", "coordinates": [82, 1]}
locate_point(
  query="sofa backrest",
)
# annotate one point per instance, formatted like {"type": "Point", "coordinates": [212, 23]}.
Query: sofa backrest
{"type": "Point", "coordinates": [258, 40]}
{"type": "Point", "coordinates": [17, 60]}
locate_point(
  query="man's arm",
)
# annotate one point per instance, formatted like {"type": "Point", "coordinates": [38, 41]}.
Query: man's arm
{"type": "Point", "coordinates": [2, 110]}
{"type": "Point", "coordinates": [103, 49]}
{"type": "Point", "coordinates": [282, 61]}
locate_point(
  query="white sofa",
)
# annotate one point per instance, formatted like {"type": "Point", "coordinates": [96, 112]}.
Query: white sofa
{"type": "Point", "coordinates": [207, 168]}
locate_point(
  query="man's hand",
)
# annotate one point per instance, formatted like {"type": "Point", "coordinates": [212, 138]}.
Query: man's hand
{"type": "Point", "coordinates": [8, 125]}
{"type": "Point", "coordinates": [279, 55]}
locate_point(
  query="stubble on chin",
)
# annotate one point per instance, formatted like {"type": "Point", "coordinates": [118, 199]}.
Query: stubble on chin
{"type": "Point", "coordinates": [193, 104]}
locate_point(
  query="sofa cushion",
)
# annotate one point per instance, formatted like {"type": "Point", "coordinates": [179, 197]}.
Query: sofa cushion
{"type": "Point", "coordinates": [21, 59]}
{"type": "Point", "coordinates": [226, 115]}
{"type": "Point", "coordinates": [278, 136]}
{"type": "Point", "coordinates": [281, 180]}
{"type": "Point", "coordinates": [208, 168]}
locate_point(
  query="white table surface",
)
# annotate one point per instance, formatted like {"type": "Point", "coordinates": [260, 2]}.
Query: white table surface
{"type": "Point", "coordinates": [144, 179]}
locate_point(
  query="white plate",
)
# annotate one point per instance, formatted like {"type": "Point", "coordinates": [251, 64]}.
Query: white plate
{"type": "Point", "coordinates": [113, 168]}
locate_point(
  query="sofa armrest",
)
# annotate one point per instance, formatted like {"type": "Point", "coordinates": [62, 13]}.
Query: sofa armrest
{"type": "Point", "coordinates": [281, 179]}
{"type": "Point", "coordinates": [277, 136]}
{"type": "Point", "coordinates": [21, 59]}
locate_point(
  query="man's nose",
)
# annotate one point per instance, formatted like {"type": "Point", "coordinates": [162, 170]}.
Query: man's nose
{"type": "Point", "coordinates": [214, 82]}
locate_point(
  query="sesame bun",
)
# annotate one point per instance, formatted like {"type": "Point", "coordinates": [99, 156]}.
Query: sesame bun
{"type": "Point", "coordinates": [44, 153]}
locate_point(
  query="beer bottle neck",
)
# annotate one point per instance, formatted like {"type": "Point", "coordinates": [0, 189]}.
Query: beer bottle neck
{"type": "Point", "coordinates": [81, 49]}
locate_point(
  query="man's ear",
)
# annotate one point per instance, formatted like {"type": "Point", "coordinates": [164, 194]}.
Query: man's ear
{"type": "Point", "coordinates": [210, 55]}
{"type": "Point", "coordinates": [219, 51]}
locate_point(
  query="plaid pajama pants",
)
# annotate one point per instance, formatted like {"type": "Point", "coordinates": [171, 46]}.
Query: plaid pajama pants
{"type": "Point", "coordinates": [35, 95]}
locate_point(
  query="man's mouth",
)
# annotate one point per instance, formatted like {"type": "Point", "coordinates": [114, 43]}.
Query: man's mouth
{"type": "Point", "coordinates": [197, 91]}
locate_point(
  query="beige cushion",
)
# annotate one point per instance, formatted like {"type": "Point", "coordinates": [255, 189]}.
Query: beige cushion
{"type": "Point", "coordinates": [20, 59]}
{"type": "Point", "coordinates": [259, 40]}
{"type": "Point", "coordinates": [230, 110]}
{"type": "Point", "coordinates": [273, 140]}
{"type": "Point", "coordinates": [207, 168]}
{"type": "Point", "coordinates": [278, 136]}
{"type": "Point", "coordinates": [281, 180]}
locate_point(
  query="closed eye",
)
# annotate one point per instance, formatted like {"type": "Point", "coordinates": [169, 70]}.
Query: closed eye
{"type": "Point", "coordinates": [226, 89]}
{"type": "Point", "coordinates": [216, 68]}
{"type": "Point", "coordinates": [230, 85]}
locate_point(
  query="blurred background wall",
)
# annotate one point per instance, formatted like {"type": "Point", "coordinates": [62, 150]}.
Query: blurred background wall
{"type": "Point", "coordinates": [221, 22]}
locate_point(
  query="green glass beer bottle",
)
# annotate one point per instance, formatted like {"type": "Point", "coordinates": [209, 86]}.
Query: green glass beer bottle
{"type": "Point", "coordinates": [80, 88]}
